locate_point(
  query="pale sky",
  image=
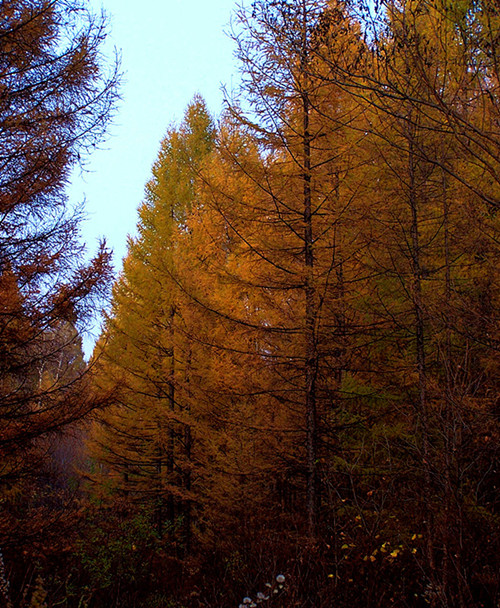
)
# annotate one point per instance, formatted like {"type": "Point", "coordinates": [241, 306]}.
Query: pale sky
{"type": "Point", "coordinates": [171, 50]}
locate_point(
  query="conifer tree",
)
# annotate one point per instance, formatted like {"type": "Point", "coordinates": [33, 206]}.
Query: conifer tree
{"type": "Point", "coordinates": [282, 193]}
{"type": "Point", "coordinates": [304, 333]}
{"type": "Point", "coordinates": [430, 214]}
{"type": "Point", "coordinates": [145, 439]}
{"type": "Point", "coordinates": [56, 102]}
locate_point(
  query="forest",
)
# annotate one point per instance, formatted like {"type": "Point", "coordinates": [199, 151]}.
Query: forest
{"type": "Point", "coordinates": [294, 399]}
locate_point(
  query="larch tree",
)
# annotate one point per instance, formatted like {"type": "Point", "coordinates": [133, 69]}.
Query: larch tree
{"type": "Point", "coordinates": [430, 99]}
{"type": "Point", "coordinates": [283, 197]}
{"type": "Point", "coordinates": [306, 340]}
{"type": "Point", "coordinates": [144, 440]}
{"type": "Point", "coordinates": [57, 97]}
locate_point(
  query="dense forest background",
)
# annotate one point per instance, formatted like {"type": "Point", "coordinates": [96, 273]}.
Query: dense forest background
{"type": "Point", "coordinates": [294, 400]}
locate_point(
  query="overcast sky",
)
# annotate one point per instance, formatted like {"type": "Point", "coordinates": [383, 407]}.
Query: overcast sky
{"type": "Point", "coordinates": [171, 50]}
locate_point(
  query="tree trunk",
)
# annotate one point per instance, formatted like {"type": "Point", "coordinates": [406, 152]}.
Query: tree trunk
{"type": "Point", "coordinates": [421, 405]}
{"type": "Point", "coordinates": [310, 317]}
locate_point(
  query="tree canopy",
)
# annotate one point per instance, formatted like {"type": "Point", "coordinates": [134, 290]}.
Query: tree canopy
{"type": "Point", "coordinates": [56, 100]}
{"type": "Point", "coordinates": [299, 366]}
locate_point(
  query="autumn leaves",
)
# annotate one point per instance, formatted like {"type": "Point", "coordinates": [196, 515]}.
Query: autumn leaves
{"type": "Point", "coordinates": [304, 327]}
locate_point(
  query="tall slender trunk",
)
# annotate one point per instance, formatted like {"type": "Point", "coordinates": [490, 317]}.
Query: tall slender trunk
{"type": "Point", "coordinates": [340, 314]}
{"type": "Point", "coordinates": [451, 431]}
{"type": "Point", "coordinates": [188, 441]}
{"type": "Point", "coordinates": [310, 320]}
{"type": "Point", "coordinates": [171, 431]}
{"type": "Point", "coordinates": [448, 418]}
{"type": "Point", "coordinates": [158, 514]}
{"type": "Point", "coordinates": [419, 327]}
{"type": "Point", "coordinates": [187, 477]}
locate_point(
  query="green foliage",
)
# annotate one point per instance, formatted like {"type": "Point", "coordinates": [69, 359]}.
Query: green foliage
{"type": "Point", "coordinates": [161, 600]}
{"type": "Point", "coordinates": [115, 549]}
